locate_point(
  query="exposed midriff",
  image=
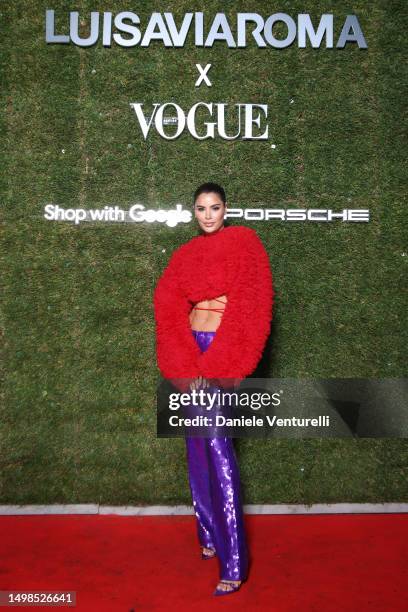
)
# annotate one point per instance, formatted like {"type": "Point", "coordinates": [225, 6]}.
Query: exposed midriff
{"type": "Point", "coordinates": [207, 315]}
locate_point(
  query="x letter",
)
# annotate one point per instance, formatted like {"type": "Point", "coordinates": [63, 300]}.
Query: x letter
{"type": "Point", "coordinates": [203, 75]}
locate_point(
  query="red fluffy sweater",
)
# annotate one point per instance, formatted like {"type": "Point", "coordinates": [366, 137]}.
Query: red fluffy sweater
{"type": "Point", "coordinates": [231, 262]}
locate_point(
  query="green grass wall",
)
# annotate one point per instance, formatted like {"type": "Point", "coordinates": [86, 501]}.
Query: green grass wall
{"type": "Point", "coordinates": [79, 373]}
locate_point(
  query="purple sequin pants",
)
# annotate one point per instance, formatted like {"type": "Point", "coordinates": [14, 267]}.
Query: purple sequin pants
{"type": "Point", "coordinates": [216, 494]}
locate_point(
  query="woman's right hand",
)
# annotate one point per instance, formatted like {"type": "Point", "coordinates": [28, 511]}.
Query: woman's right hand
{"type": "Point", "coordinates": [198, 383]}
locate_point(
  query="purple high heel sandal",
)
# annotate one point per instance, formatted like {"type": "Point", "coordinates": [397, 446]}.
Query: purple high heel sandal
{"type": "Point", "coordinates": [232, 588]}
{"type": "Point", "coordinates": [207, 555]}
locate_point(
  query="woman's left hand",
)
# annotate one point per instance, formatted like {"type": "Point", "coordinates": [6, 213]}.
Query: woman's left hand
{"type": "Point", "coordinates": [198, 383]}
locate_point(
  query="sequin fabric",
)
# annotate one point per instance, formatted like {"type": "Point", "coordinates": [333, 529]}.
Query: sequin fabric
{"type": "Point", "coordinates": [216, 493]}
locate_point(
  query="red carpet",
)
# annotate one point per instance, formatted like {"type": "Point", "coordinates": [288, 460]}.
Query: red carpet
{"type": "Point", "coordinates": [312, 563]}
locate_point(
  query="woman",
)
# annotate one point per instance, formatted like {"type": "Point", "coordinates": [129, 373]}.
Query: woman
{"type": "Point", "coordinates": [213, 309]}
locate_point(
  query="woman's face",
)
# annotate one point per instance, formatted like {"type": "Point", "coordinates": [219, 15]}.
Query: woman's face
{"type": "Point", "coordinates": [209, 211]}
